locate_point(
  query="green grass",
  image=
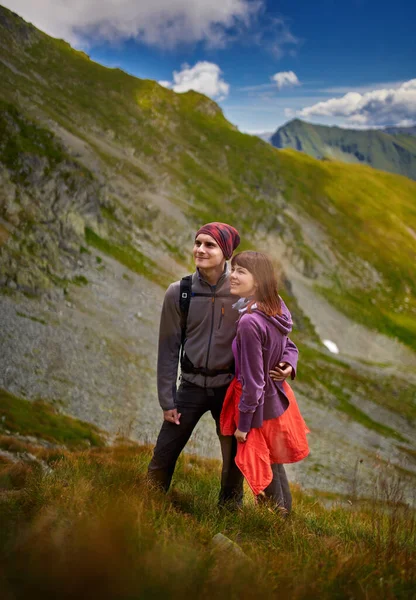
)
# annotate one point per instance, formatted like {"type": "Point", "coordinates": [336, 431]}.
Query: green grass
{"type": "Point", "coordinates": [129, 257]}
{"type": "Point", "coordinates": [108, 212]}
{"type": "Point", "coordinates": [374, 312]}
{"type": "Point", "coordinates": [93, 524]}
{"type": "Point", "coordinates": [80, 280]}
{"type": "Point", "coordinates": [22, 139]}
{"type": "Point", "coordinates": [366, 214]}
{"type": "Point", "coordinates": [40, 419]}
{"type": "Point", "coordinates": [361, 417]}
{"type": "Point", "coordinates": [35, 319]}
{"type": "Point", "coordinates": [29, 139]}
{"type": "Point", "coordinates": [331, 381]}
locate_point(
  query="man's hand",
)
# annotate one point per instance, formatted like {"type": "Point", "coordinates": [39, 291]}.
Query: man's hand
{"type": "Point", "coordinates": [172, 416]}
{"type": "Point", "coordinates": [240, 436]}
{"type": "Point", "coordinates": [281, 372]}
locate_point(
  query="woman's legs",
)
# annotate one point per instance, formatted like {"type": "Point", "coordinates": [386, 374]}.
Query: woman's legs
{"type": "Point", "coordinates": [278, 490]}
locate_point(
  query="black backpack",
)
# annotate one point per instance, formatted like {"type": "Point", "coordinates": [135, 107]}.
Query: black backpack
{"type": "Point", "coordinates": [185, 292]}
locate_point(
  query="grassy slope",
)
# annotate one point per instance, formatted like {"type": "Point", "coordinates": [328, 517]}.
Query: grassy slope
{"type": "Point", "coordinates": [42, 420]}
{"type": "Point", "coordinates": [338, 384]}
{"type": "Point", "coordinates": [368, 214]}
{"type": "Point", "coordinates": [90, 522]}
{"type": "Point", "coordinates": [396, 154]}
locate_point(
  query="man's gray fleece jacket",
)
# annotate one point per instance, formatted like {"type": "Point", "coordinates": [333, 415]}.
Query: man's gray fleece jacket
{"type": "Point", "coordinates": [211, 328]}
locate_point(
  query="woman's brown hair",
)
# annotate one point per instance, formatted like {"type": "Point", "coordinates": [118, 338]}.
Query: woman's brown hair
{"type": "Point", "coordinates": [261, 267]}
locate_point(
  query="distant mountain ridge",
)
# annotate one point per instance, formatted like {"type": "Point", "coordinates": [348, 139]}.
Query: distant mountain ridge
{"type": "Point", "coordinates": [399, 130]}
{"type": "Point", "coordinates": [392, 149]}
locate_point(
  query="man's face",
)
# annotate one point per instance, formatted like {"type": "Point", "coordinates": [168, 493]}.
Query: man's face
{"type": "Point", "coordinates": [207, 253]}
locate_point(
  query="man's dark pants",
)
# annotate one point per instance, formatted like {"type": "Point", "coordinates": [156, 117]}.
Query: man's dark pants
{"type": "Point", "coordinates": [192, 402]}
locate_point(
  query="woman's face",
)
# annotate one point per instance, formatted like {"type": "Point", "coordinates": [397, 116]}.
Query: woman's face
{"type": "Point", "coordinates": [207, 253]}
{"type": "Point", "coordinates": [242, 282]}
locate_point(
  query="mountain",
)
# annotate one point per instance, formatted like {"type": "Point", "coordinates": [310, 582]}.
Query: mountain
{"type": "Point", "coordinates": [103, 180]}
{"type": "Point", "coordinates": [401, 130]}
{"type": "Point", "coordinates": [392, 150]}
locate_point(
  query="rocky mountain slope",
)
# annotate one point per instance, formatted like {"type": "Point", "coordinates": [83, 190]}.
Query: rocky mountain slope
{"type": "Point", "coordinates": [104, 178]}
{"type": "Point", "coordinates": [392, 149]}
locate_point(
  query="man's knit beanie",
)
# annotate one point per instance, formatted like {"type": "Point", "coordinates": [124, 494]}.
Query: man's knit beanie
{"type": "Point", "coordinates": [226, 236]}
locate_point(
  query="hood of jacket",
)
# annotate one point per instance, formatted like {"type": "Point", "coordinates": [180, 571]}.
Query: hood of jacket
{"type": "Point", "coordinates": [283, 322]}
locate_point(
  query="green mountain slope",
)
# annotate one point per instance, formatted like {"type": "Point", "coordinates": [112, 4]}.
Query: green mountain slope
{"type": "Point", "coordinates": [211, 171]}
{"type": "Point", "coordinates": [398, 130]}
{"type": "Point", "coordinates": [391, 150]}
{"type": "Point", "coordinates": [181, 146]}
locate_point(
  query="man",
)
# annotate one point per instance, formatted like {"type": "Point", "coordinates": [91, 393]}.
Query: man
{"type": "Point", "coordinates": [206, 360]}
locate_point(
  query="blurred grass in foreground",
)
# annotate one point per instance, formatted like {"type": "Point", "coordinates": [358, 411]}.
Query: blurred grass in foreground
{"type": "Point", "coordinates": [92, 528]}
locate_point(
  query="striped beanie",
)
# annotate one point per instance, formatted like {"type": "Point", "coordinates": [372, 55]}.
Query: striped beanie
{"type": "Point", "coordinates": [226, 236]}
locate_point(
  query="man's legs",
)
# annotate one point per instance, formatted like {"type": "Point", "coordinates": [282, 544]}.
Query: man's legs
{"type": "Point", "coordinates": [173, 438]}
{"type": "Point", "coordinates": [231, 477]}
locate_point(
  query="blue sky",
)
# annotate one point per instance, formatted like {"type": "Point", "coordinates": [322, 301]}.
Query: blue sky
{"type": "Point", "coordinates": [351, 63]}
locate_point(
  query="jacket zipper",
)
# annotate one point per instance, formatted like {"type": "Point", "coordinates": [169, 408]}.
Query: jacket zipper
{"type": "Point", "coordinates": [222, 315]}
{"type": "Point", "coordinates": [210, 333]}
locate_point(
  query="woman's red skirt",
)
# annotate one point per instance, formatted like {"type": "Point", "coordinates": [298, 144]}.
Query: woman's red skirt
{"type": "Point", "coordinates": [280, 440]}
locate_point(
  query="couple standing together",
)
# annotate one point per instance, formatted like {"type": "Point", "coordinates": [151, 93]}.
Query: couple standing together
{"type": "Point", "coordinates": [235, 357]}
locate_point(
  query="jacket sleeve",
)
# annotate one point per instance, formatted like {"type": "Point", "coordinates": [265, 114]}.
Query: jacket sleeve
{"type": "Point", "coordinates": [290, 356]}
{"type": "Point", "coordinates": [250, 360]}
{"type": "Point", "coordinates": [168, 349]}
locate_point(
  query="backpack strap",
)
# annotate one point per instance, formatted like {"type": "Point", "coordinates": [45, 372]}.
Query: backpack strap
{"type": "Point", "coordinates": [185, 292]}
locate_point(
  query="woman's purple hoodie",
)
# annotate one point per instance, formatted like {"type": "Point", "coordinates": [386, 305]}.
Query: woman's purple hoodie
{"type": "Point", "coordinates": [261, 343]}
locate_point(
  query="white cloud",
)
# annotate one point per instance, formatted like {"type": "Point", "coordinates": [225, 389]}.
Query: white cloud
{"type": "Point", "coordinates": [203, 77]}
{"type": "Point", "coordinates": [282, 38]}
{"type": "Point", "coordinates": [278, 81]}
{"type": "Point", "coordinates": [344, 89]}
{"type": "Point", "coordinates": [158, 22]}
{"type": "Point", "coordinates": [285, 79]}
{"type": "Point", "coordinates": [165, 84]}
{"type": "Point", "coordinates": [257, 88]}
{"type": "Point", "coordinates": [375, 108]}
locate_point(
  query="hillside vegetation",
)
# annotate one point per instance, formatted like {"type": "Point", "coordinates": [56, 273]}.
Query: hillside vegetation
{"type": "Point", "coordinates": [182, 144]}
{"type": "Point", "coordinates": [84, 522]}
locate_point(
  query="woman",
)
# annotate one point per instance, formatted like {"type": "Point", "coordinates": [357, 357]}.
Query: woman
{"type": "Point", "coordinates": [262, 413]}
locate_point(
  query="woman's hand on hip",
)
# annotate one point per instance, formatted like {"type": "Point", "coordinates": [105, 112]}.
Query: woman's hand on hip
{"type": "Point", "coordinates": [240, 436]}
{"type": "Point", "coordinates": [172, 416]}
{"type": "Point", "coordinates": [281, 372]}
